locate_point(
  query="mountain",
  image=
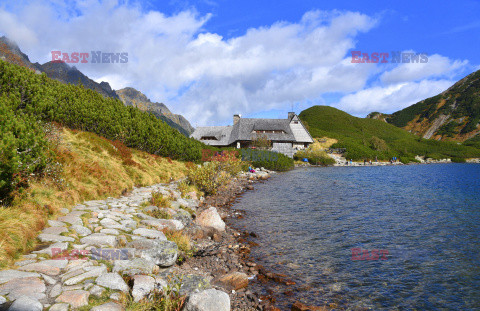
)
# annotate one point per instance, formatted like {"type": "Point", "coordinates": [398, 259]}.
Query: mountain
{"type": "Point", "coordinates": [451, 115]}
{"type": "Point", "coordinates": [131, 97]}
{"type": "Point", "coordinates": [370, 138]}
{"type": "Point", "coordinates": [10, 52]}
{"type": "Point", "coordinates": [67, 74]}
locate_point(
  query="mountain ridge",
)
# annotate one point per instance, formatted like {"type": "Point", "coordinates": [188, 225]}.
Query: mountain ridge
{"type": "Point", "coordinates": [63, 72]}
{"type": "Point", "coordinates": [132, 97]}
{"type": "Point", "coordinates": [453, 115]}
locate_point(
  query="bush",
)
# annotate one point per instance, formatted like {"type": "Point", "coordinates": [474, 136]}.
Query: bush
{"type": "Point", "coordinates": [458, 160]}
{"type": "Point", "coordinates": [406, 160]}
{"type": "Point", "coordinates": [269, 160]}
{"type": "Point", "coordinates": [228, 162]}
{"type": "Point", "coordinates": [159, 200]}
{"type": "Point", "coordinates": [78, 108]}
{"type": "Point", "coordinates": [208, 177]}
{"type": "Point", "coordinates": [211, 175]}
{"type": "Point", "coordinates": [24, 151]}
{"type": "Point", "coordinates": [314, 156]}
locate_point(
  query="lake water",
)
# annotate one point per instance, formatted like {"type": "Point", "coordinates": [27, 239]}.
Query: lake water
{"type": "Point", "coordinates": [427, 217]}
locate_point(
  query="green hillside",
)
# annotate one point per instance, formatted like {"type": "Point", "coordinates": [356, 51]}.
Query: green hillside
{"type": "Point", "coordinates": [451, 115]}
{"type": "Point", "coordinates": [367, 138]}
{"type": "Point", "coordinates": [29, 100]}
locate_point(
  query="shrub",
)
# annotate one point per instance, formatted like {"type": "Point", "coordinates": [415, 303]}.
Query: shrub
{"type": "Point", "coordinates": [24, 151]}
{"type": "Point", "coordinates": [208, 177]}
{"type": "Point", "coordinates": [378, 144]}
{"type": "Point", "coordinates": [211, 175]}
{"type": "Point", "coordinates": [228, 162]}
{"type": "Point", "coordinates": [458, 160]}
{"type": "Point", "coordinates": [314, 156]}
{"type": "Point", "coordinates": [159, 200]}
{"type": "Point", "coordinates": [267, 159]}
{"type": "Point", "coordinates": [78, 108]}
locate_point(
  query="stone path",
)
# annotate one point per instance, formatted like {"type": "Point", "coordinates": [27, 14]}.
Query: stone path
{"type": "Point", "coordinates": [90, 251]}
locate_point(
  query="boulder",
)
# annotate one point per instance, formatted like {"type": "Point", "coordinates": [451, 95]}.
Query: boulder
{"type": "Point", "coordinates": [8, 275]}
{"type": "Point", "coordinates": [208, 300]}
{"type": "Point", "coordinates": [142, 286]}
{"type": "Point", "coordinates": [162, 253]}
{"type": "Point", "coordinates": [60, 307]}
{"type": "Point", "coordinates": [234, 280]}
{"type": "Point", "coordinates": [112, 281]}
{"type": "Point", "coordinates": [81, 230]}
{"type": "Point", "coordinates": [134, 266]}
{"type": "Point", "coordinates": [161, 224]}
{"type": "Point", "coordinates": [94, 272]}
{"type": "Point", "coordinates": [149, 233]}
{"type": "Point", "coordinates": [100, 239]}
{"type": "Point", "coordinates": [47, 237]}
{"type": "Point", "coordinates": [109, 306]}
{"type": "Point", "coordinates": [193, 283]}
{"type": "Point", "coordinates": [211, 218]}
{"type": "Point", "coordinates": [26, 303]}
{"type": "Point", "coordinates": [75, 298]}
{"type": "Point", "coordinates": [32, 287]}
{"type": "Point", "coordinates": [55, 230]}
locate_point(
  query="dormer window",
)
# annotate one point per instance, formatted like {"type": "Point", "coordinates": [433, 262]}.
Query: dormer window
{"type": "Point", "coordinates": [208, 138]}
{"type": "Point", "coordinates": [269, 131]}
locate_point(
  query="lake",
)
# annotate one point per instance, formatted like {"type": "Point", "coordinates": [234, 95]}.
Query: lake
{"type": "Point", "coordinates": [370, 238]}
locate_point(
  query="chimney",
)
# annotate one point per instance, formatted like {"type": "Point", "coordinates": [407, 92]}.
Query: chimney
{"type": "Point", "coordinates": [291, 115]}
{"type": "Point", "coordinates": [236, 118]}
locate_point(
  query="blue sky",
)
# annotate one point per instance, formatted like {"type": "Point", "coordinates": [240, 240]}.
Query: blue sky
{"type": "Point", "coordinates": [210, 59]}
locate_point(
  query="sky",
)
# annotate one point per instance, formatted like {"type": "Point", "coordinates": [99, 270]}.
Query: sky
{"type": "Point", "coordinates": [210, 59]}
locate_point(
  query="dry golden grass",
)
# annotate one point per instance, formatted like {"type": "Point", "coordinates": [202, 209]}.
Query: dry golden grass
{"type": "Point", "coordinates": [93, 168]}
{"type": "Point", "coordinates": [181, 239]}
{"type": "Point", "coordinates": [322, 143]}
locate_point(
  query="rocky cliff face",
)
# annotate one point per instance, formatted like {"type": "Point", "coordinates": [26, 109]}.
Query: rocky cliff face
{"type": "Point", "coordinates": [66, 74]}
{"type": "Point", "coordinates": [10, 52]}
{"type": "Point", "coordinates": [131, 97]}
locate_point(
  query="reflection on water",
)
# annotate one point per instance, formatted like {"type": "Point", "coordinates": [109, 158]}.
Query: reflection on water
{"type": "Point", "coordinates": [426, 216]}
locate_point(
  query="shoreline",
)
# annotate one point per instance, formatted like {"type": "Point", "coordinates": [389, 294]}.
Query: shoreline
{"type": "Point", "coordinates": [123, 227]}
{"type": "Point", "coordinates": [263, 279]}
{"type": "Point", "coordinates": [342, 162]}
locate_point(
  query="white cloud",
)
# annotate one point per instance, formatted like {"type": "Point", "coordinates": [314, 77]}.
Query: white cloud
{"type": "Point", "coordinates": [435, 66]}
{"type": "Point", "coordinates": [173, 59]}
{"type": "Point", "coordinates": [392, 97]}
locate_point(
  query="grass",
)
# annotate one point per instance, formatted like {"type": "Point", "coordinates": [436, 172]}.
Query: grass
{"type": "Point", "coordinates": [370, 138]}
{"type": "Point", "coordinates": [92, 168]}
{"type": "Point", "coordinates": [159, 200]}
{"type": "Point", "coordinates": [315, 153]}
{"type": "Point", "coordinates": [168, 299]}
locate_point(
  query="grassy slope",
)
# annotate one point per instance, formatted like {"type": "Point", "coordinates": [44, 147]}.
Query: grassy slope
{"type": "Point", "coordinates": [356, 134]}
{"type": "Point", "coordinates": [93, 168]}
